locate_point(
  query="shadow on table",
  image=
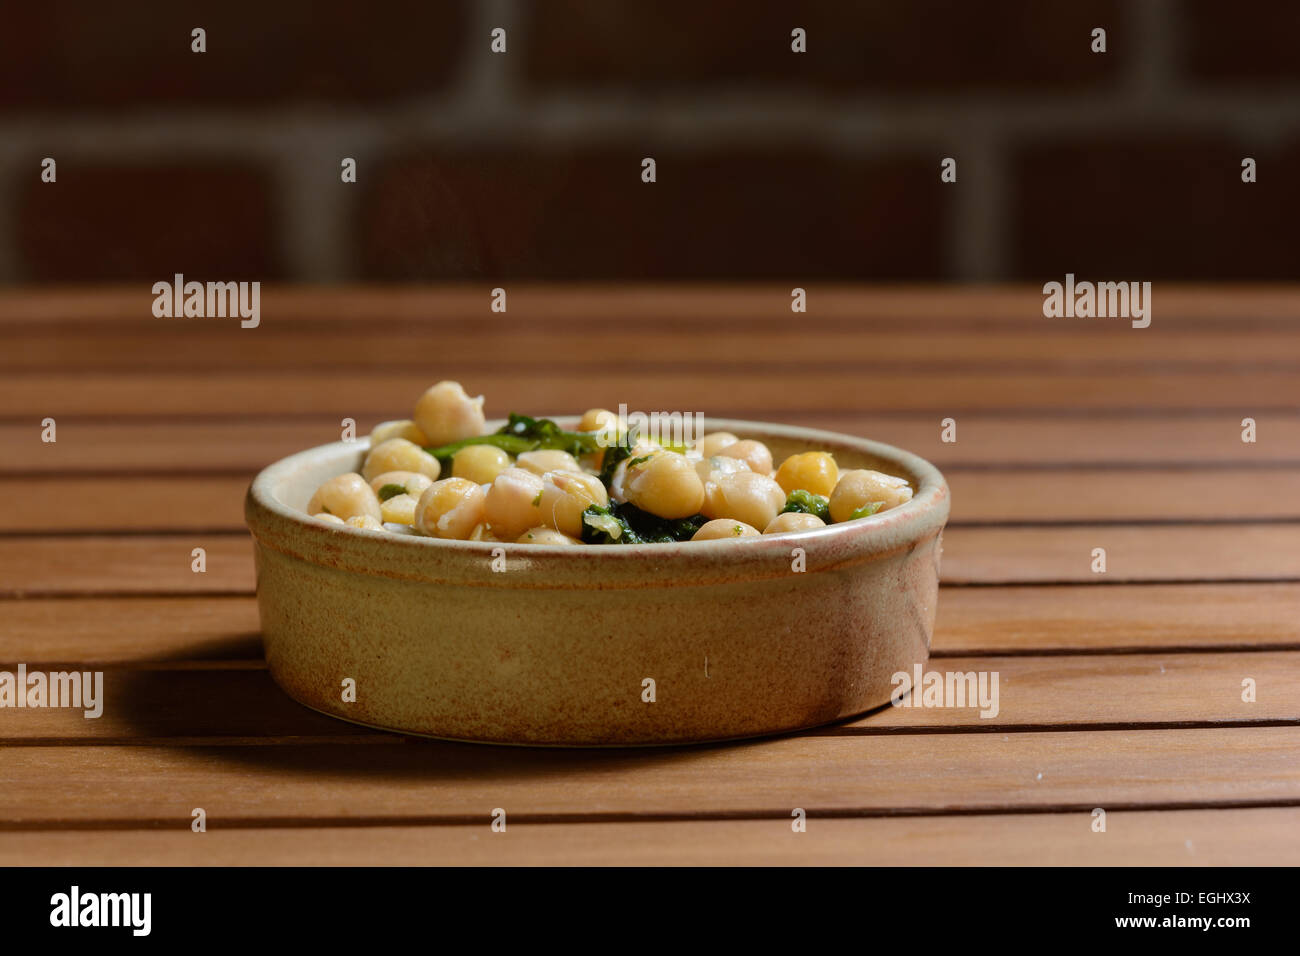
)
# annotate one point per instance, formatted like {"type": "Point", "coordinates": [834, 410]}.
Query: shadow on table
{"type": "Point", "coordinates": [235, 715]}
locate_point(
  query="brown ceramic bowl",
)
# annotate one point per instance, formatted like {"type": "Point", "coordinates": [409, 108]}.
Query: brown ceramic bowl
{"type": "Point", "coordinates": [558, 648]}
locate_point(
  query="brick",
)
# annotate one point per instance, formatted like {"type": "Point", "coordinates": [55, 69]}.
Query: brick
{"type": "Point", "coordinates": [108, 223]}
{"type": "Point", "coordinates": [1148, 208]}
{"type": "Point", "coordinates": [917, 46]}
{"type": "Point", "coordinates": [60, 55]}
{"type": "Point", "coordinates": [1242, 41]}
{"type": "Point", "coordinates": [587, 215]}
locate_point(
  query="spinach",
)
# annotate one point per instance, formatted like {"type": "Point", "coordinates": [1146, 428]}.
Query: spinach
{"type": "Point", "coordinates": [805, 502]}
{"type": "Point", "coordinates": [523, 433]}
{"type": "Point", "coordinates": [391, 490]}
{"type": "Point", "coordinates": [628, 524]}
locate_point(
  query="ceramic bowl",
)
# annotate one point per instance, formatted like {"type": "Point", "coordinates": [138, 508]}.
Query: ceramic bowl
{"type": "Point", "coordinates": [598, 645]}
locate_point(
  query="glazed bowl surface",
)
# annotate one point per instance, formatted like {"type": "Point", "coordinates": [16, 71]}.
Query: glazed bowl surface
{"type": "Point", "coordinates": [598, 645]}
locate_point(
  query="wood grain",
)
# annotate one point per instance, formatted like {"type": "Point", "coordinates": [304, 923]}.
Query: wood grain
{"type": "Point", "coordinates": [1120, 690]}
{"type": "Point", "coordinates": [202, 446]}
{"type": "Point", "coordinates": [204, 631]}
{"type": "Point", "coordinates": [1267, 836]}
{"type": "Point", "coordinates": [417, 781]}
{"type": "Point", "coordinates": [1131, 690]}
{"type": "Point", "coordinates": [154, 563]}
{"type": "Point", "coordinates": [372, 395]}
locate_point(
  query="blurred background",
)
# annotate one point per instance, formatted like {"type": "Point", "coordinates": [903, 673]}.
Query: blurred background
{"type": "Point", "coordinates": [770, 164]}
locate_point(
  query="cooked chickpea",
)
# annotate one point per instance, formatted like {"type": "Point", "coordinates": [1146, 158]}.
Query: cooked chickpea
{"type": "Point", "coordinates": [399, 509]}
{"type": "Point", "coordinates": [446, 414]}
{"type": "Point", "coordinates": [745, 496]}
{"type": "Point", "coordinates": [665, 484]}
{"type": "Point", "coordinates": [365, 522]}
{"type": "Point", "coordinates": [724, 528]}
{"type": "Point", "coordinates": [329, 519]}
{"type": "Point", "coordinates": [451, 508]}
{"type": "Point", "coordinates": [707, 468]}
{"type": "Point", "coordinates": [714, 442]}
{"type": "Point", "coordinates": [479, 463]}
{"type": "Point", "coordinates": [753, 453]}
{"type": "Point", "coordinates": [412, 482]}
{"type": "Point", "coordinates": [594, 419]}
{"type": "Point", "coordinates": [481, 532]}
{"type": "Point", "coordinates": [345, 496]}
{"type": "Point", "coordinates": [545, 536]}
{"type": "Point", "coordinates": [642, 449]}
{"type": "Point", "coordinates": [860, 487]}
{"type": "Point", "coordinates": [398, 454]}
{"type": "Point", "coordinates": [401, 428]}
{"type": "Point", "coordinates": [514, 503]}
{"type": "Point", "coordinates": [566, 495]}
{"type": "Point", "coordinates": [547, 459]}
{"type": "Point", "coordinates": [813, 471]}
{"type": "Point", "coordinates": [793, 521]}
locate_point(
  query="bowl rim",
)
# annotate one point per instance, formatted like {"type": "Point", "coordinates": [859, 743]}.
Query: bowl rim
{"type": "Point", "coordinates": [276, 525]}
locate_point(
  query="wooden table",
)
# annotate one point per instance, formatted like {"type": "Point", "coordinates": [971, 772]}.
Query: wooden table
{"type": "Point", "coordinates": [1121, 691]}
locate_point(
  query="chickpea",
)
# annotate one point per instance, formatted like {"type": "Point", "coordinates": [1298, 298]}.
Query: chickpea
{"type": "Point", "coordinates": [642, 449]}
{"type": "Point", "coordinates": [329, 519]}
{"type": "Point", "coordinates": [398, 454]}
{"type": "Point", "coordinates": [724, 528]}
{"type": "Point", "coordinates": [744, 496]}
{"type": "Point", "coordinates": [566, 495]}
{"type": "Point", "coordinates": [813, 471]}
{"type": "Point", "coordinates": [665, 484]}
{"type": "Point", "coordinates": [712, 443]}
{"type": "Point", "coordinates": [545, 536]}
{"type": "Point", "coordinates": [451, 508]}
{"type": "Point", "coordinates": [446, 414]}
{"type": "Point", "coordinates": [514, 503]}
{"type": "Point", "coordinates": [400, 509]}
{"type": "Point", "coordinates": [481, 532]}
{"type": "Point", "coordinates": [365, 523]}
{"type": "Point", "coordinates": [479, 463]}
{"type": "Point", "coordinates": [753, 453]}
{"type": "Point", "coordinates": [548, 459]}
{"type": "Point", "coordinates": [792, 521]}
{"type": "Point", "coordinates": [401, 428]}
{"type": "Point", "coordinates": [345, 496]}
{"type": "Point", "coordinates": [860, 487]}
{"type": "Point", "coordinates": [413, 482]}
{"type": "Point", "coordinates": [594, 419]}
{"type": "Point", "coordinates": [707, 468]}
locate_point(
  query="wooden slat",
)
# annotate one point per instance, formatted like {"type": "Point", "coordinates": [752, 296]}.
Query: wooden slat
{"type": "Point", "coordinates": [738, 393]}
{"type": "Point", "coordinates": [198, 447]}
{"type": "Point", "coordinates": [1085, 619]}
{"type": "Point", "coordinates": [744, 304]}
{"type": "Point", "coordinates": [204, 631]}
{"type": "Point", "coordinates": [145, 564]}
{"type": "Point", "coordinates": [148, 563]}
{"type": "Point", "coordinates": [136, 345]}
{"type": "Point", "coordinates": [200, 629]}
{"type": "Point", "coordinates": [420, 780]}
{"type": "Point", "coordinates": [972, 621]}
{"type": "Point", "coordinates": [113, 503]}
{"type": "Point", "coordinates": [1259, 552]}
{"type": "Point", "coordinates": [1130, 690]}
{"type": "Point", "coordinates": [1268, 836]}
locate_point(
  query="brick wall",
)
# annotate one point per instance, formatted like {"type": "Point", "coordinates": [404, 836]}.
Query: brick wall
{"type": "Point", "coordinates": [771, 164]}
